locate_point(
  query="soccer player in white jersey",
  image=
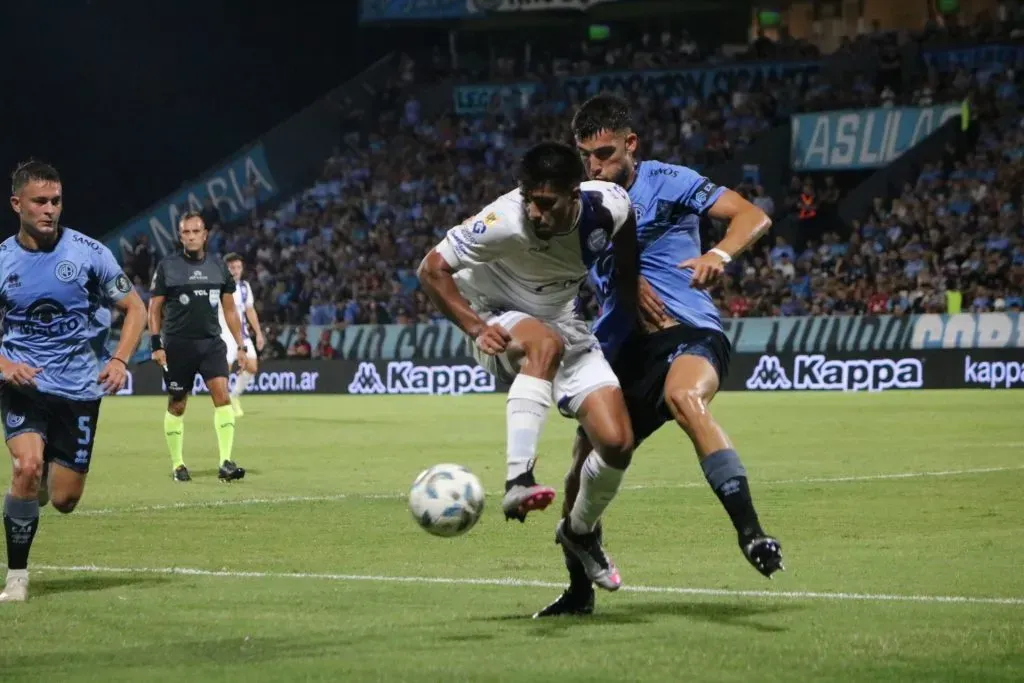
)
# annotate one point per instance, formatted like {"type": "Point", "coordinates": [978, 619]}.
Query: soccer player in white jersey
{"type": "Point", "coordinates": [250, 326]}
{"type": "Point", "coordinates": [509, 278]}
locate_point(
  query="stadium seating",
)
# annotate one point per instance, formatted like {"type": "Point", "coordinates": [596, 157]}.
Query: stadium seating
{"type": "Point", "coordinates": [345, 250]}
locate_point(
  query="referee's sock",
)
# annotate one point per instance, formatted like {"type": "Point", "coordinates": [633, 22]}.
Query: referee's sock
{"type": "Point", "coordinates": [174, 431]}
{"type": "Point", "coordinates": [224, 425]}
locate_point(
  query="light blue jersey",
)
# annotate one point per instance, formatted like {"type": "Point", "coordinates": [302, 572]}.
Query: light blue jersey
{"type": "Point", "coordinates": [100, 323]}
{"type": "Point", "coordinates": [53, 311]}
{"type": "Point", "coordinates": [668, 201]}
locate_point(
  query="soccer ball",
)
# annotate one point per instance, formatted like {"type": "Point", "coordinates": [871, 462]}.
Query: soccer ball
{"type": "Point", "coordinates": [446, 500]}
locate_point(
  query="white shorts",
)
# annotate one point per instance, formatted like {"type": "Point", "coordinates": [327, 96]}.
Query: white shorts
{"type": "Point", "coordinates": [583, 369]}
{"type": "Point", "coordinates": [250, 349]}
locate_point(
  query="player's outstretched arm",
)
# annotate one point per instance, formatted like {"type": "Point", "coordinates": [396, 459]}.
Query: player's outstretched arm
{"type": "Point", "coordinates": [435, 275]}
{"type": "Point", "coordinates": [486, 239]}
{"type": "Point", "coordinates": [747, 224]}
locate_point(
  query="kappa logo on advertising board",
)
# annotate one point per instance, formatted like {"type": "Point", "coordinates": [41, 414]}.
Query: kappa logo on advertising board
{"type": "Point", "coordinates": [993, 374]}
{"type": "Point", "coordinates": [405, 377]}
{"type": "Point", "coordinates": [818, 373]}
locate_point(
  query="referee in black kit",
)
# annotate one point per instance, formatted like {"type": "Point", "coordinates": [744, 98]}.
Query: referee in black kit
{"type": "Point", "coordinates": [187, 289]}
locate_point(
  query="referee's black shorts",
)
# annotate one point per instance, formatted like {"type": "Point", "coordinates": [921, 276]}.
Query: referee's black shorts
{"type": "Point", "coordinates": [187, 358]}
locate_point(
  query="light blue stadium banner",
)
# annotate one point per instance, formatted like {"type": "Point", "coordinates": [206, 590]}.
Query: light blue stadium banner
{"type": "Point", "coordinates": [475, 99]}
{"type": "Point", "coordinates": [672, 83]}
{"type": "Point", "coordinates": [860, 139]}
{"type": "Point", "coordinates": [442, 340]}
{"type": "Point", "coordinates": [226, 187]}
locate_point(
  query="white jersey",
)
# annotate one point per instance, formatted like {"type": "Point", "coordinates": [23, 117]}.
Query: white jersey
{"type": "Point", "coordinates": [243, 301]}
{"type": "Point", "coordinates": [502, 265]}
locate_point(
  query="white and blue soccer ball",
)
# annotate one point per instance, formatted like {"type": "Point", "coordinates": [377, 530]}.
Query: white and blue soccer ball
{"type": "Point", "coordinates": [446, 500]}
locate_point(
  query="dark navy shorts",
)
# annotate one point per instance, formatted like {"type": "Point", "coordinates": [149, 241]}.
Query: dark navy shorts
{"type": "Point", "coordinates": [68, 427]}
{"type": "Point", "coordinates": [643, 363]}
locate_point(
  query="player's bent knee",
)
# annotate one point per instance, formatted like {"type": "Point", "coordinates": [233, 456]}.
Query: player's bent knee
{"type": "Point", "coordinates": [28, 467]}
{"type": "Point", "coordinates": [688, 407]}
{"type": "Point", "coordinates": [176, 405]}
{"type": "Point", "coordinates": [617, 449]}
{"type": "Point", "coordinates": [64, 504]}
{"type": "Point", "coordinates": [615, 444]}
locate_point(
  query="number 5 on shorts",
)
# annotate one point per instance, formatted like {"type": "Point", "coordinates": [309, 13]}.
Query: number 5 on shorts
{"type": "Point", "coordinates": [85, 427]}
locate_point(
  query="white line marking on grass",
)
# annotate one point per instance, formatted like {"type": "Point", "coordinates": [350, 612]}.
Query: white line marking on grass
{"type": "Point", "coordinates": [838, 480]}
{"type": "Point", "coordinates": [189, 505]}
{"type": "Point", "coordinates": [199, 504]}
{"type": "Point", "coordinates": [522, 583]}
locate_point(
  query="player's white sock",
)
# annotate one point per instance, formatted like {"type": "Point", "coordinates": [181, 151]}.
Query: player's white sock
{"type": "Point", "coordinates": [244, 377]}
{"type": "Point", "coordinates": [599, 482]}
{"type": "Point", "coordinates": [526, 410]}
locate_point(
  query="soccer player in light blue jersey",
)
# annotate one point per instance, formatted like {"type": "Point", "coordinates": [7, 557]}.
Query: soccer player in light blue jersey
{"type": "Point", "coordinates": [671, 361]}
{"type": "Point", "coordinates": [54, 282]}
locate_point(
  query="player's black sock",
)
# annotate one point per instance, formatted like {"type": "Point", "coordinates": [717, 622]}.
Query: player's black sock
{"type": "Point", "coordinates": [525, 479]}
{"type": "Point", "coordinates": [728, 479]}
{"type": "Point", "coordinates": [578, 579]}
{"type": "Point", "coordinates": [21, 518]}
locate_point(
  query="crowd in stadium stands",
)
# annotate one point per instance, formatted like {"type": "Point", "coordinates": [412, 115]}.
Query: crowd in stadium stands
{"type": "Point", "coordinates": [640, 47]}
{"type": "Point", "coordinates": [345, 251]}
{"type": "Point", "coordinates": [952, 241]}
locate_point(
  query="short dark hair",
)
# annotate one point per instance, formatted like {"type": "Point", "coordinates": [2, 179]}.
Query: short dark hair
{"type": "Point", "coordinates": [551, 163]}
{"type": "Point", "coordinates": [30, 170]}
{"type": "Point", "coordinates": [602, 112]}
{"type": "Point", "coordinates": [232, 257]}
{"type": "Point", "coordinates": [188, 215]}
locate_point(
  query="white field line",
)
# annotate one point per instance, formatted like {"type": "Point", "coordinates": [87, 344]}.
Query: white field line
{"type": "Point", "coordinates": [521, 583]}
{"type": "Point", "coordinates": [841, 480]}
{"type": "Point", "coordinates": [189, 505]}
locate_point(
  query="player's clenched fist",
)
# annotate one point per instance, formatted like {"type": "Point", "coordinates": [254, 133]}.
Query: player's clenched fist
{"type": "Point", "coordinates": [493, 340]}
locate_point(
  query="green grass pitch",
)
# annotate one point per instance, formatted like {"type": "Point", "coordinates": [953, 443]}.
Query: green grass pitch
{"type": "Point", "coordinates": [900, 516]}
